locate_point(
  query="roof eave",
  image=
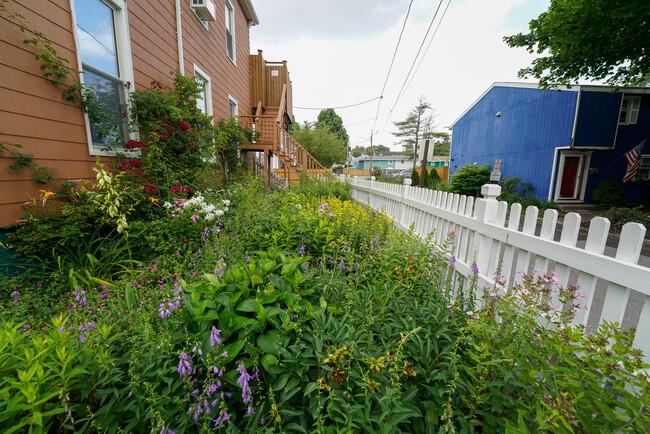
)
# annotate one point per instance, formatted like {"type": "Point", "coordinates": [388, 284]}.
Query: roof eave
{"type": "Point", "coordinates": [506, 84]}
{"type": "Point", "coordinates": [249, 12]}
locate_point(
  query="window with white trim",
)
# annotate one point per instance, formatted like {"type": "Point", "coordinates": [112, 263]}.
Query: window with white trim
{"type": "Point", "coordinates": [204, 100]}
{"type": "Point", "coordinates": [230, 30]}
{"type": "Point", "coordinates": [644, 169]}
{"type": "Point", "coordinates": [233, 107]}
{"type": "Point", "coordinates": [103, 49]}
{"type": "Point", "coordinates": [629, 110]}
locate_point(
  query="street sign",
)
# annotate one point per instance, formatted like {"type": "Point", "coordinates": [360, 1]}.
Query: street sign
{"type": "Point", "coordinates": [495, 175]}
{"type": "Point", "coordinates": [497, 166]}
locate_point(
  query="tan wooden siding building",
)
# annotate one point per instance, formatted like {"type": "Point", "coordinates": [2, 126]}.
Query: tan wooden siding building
{"type": "Point", "coordinates": [151, 40]}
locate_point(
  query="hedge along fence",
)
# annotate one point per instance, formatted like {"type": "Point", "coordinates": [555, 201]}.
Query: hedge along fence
{"type": "Point", "coordinates": [486, 234]}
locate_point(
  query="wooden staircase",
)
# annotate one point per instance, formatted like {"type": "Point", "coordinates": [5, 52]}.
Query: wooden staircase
{"type": "Point", "coordinates": [272, 102]}
{"type": "Point", "coordinates": [273, 140]}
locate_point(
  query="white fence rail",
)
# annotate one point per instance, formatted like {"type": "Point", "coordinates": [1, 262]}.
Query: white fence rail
{"type": "Point", "coordinates": [486, 234]}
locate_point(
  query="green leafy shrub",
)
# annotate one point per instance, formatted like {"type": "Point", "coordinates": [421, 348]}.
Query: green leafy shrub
{"type": "Point", "coordinates": [469, 179]}
{"type": "Point", "coordinates": [434, 178]}
{"type": "Point", "coordinates": [515, 191]}
{"type": "Point", "coordinates": [415, 178]}
{"type": "Point", "coordinates": [528, 368]}
{"type": "Point", "coordinates": [178, 143]}
{"type": "Point", "coordinates": [619, 216]}
{"type": "Point", "coordinates": [297, 312]}
{"type": "Point", "coordinates": [610, 193]}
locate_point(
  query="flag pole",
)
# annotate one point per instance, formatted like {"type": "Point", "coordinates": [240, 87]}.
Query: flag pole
{"type": "Point", "coordinates": [618, 159]}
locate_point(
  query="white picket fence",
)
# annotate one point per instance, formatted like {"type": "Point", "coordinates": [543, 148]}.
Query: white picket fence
{"type": "Point", "coordinates": [486, 234]}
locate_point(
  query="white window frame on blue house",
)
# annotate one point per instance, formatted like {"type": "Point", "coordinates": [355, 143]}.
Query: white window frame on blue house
{"type": "Point", "coordinates": [124, 66]}
{"type": "Point", "coordinates": [643, 175]}
{"type": "Point", "coordinates": [629, 113]}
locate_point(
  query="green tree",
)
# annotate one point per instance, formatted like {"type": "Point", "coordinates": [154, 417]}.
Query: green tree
{"type": "Point", "coordinates": [434, 178]}
{"type": "Point", "coordinates": [417, 125]}
{"type": "Point", "coordinates": [358, 151]}
{"type": "Point", "coordinates": [469, 179]}
{"type": "Point", "coordinates": [606, 40]}
{"type": "Point", "coordinates": [442, 142]}
{"type": "Point", "coordinates": [334, 124]}
{"type": "Point", "coordinates": [415, 178]}
{"type": "Point", "coordinates": [324, 146]}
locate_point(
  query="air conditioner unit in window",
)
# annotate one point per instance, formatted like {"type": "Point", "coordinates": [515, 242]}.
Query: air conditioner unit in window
{"type": "Point", "coordinates": [205, 9]}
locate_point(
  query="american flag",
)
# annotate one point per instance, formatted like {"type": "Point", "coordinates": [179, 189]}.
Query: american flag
{"type": "Point", "coordinates": [633, 162]}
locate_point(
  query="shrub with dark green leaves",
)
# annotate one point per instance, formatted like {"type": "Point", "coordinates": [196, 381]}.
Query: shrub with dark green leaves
{"type": "Point", "coordinates": [515, 191]}
{"type": "Point", "coordinates": [610, 193]}
{"type": "Point", "coordinates": [434, 178]}
{"type": "Point", "coordinates": [415, 178]}
{"type": "Point", "coordinates": [469, 179]}
{"type": "Point", "coordinates": [620, 216]}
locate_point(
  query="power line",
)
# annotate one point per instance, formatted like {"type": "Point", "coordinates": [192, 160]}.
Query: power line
{"type": "Point", "coordinates": [361, 122]}
{"type": "Point", "coordinates": [428, 46]}
{"type": "Point", "coordinates": [399, 94]}
{"type": "Point", "coordinates": [399, 40]}
{"type": "Point", "coordinates": [339, 107]}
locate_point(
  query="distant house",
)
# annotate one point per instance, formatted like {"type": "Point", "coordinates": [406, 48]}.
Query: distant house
{"type": "Point", "coordinates": [565, 143]}
{"type": "Point", "coordinates": [384, 160]}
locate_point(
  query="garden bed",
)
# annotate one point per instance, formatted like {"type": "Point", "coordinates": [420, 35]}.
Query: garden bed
{"type": "Point", "coordinates": [297, 311]}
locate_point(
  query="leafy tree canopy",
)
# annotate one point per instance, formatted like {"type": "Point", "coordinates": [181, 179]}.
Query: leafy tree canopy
{"type": "Point", "coordinates": [358, 151]}
{"type": "Point", "coordinates": [334, 123]}
{"type": "Point", "coordinates": [442, 142]}
{"type": "Point", "coordinates": [604, 40]}
{"type": "Point", "coordinates": [324, 146]}
{"type": "Point", "coordinates": [418, 125]}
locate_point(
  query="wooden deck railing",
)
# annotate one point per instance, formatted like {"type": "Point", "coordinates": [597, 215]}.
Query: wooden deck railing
{"type": "Point", "coordinates": [283, 145]}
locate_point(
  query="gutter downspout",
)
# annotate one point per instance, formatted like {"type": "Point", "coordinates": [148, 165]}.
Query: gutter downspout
{"type": "Point", "coordinates": [179, 38]}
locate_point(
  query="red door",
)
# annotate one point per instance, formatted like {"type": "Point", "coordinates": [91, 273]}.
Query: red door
{"type": "Point", "coordinates": [569, 177]}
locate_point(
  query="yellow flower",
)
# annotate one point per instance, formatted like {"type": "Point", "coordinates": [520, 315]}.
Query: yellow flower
{"type": "Point", "coordinates": [46, 194]}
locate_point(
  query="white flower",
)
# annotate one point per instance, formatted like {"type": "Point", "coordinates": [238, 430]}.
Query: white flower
{"type": "Point", "coordinates": [209, 217]}
{"type": "Point", "coordinates": [218, 213]}
{"type": "Point", "coordinates": [298, 206]}
{"type": "Point", "coordinates": [226, 202]}
{"type": "Point", "coordinates": [167, 205]}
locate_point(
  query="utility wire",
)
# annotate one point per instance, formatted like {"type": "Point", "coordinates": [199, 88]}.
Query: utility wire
{"type": "Point", "coordinates": [367, 120]}
{"type": "Point", "coordinates": [427, 49]}
{"type": "Point", "coordinates": [339, 107]}
{"type": "Point", "coordinates": [399, 94]}
{"type": "Point", "coordinates": [399, 40]}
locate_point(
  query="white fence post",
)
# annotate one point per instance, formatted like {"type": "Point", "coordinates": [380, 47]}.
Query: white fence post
{"type": "Point", "coordinates": [485, 212]}
{"type": "Point", "coordinates": [400, 214]}
{"type": "Point", "coordinates": [372, 185]}
{"type": "Point", "coordinates": [629, 250]}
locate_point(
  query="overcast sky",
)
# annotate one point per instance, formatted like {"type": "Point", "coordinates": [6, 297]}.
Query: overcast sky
{"type": "Point", "coordinates": [339, 52]}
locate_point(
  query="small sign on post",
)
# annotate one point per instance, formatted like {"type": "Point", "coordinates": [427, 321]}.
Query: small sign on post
{"type": "Point", "coordinates": [495, 175]}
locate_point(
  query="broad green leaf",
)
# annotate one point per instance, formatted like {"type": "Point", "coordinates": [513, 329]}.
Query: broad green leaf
{"type": "Point", "coordinates": [270, 363]}
{"type": "Point", "coordinates": [248, 305]}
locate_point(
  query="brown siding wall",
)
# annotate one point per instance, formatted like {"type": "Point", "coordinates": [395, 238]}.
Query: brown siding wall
{"type": "Point", "coordinates": [207, 49]}
{"type": "Point", "coordinates": [34, 115]}
{"type": "Point", "coordinates": [32, 112]}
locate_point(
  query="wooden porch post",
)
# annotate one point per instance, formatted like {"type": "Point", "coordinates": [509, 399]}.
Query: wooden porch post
{"type": "Point", "coordinates": [267, 164]}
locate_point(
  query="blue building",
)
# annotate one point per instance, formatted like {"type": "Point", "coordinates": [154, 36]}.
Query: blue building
{"type": "Point", "coordinates": [385, 160]}
{"type": "Point", "coordinates": [563, 142]}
